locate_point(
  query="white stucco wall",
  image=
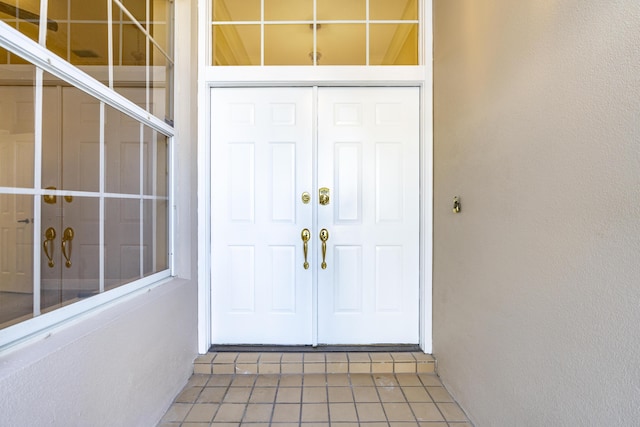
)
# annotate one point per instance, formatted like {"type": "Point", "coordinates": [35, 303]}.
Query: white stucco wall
{"type": "Point", "coordinates": [537, 280]}
{"type": "Point", "coordinates": [120, 367]}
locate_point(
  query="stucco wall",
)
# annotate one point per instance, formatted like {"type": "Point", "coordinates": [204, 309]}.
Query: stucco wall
{"type": "Point", "coordinates": [120, 367]}
{"type": "Point", "coordinates": [537, 280]}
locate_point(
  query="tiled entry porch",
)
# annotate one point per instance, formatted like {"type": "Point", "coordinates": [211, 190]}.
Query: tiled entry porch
{"type": "Point", "coordinates": [314, 389]}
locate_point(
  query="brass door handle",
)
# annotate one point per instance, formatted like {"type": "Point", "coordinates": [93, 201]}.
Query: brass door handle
{"type": "Point", "coordinates": [50, 235]}
{"type": "Point", "coordinates": [305, 235]}
{"type": "Point", "coordinates": [324, 236]}
{"type": "Point", "coordinates": [67, 238]}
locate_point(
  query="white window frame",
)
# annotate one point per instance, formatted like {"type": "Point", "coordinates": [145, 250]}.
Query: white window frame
{"type": "Point", "coordinates": [45, 61]}
{"type": "Point", "coordinates": [270, 76]}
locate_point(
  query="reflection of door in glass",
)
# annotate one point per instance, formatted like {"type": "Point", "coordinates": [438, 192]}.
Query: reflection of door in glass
{"type": "Point", "coordinates": [16, 210]}
{"type": "Point", "coordinates": [340, 266]}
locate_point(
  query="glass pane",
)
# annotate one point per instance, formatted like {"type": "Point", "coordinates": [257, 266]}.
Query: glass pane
{"type": "Point", "coordinates": [288, 10]}
{"type": "Point", "coordinates": [156, 254]}
{"type": "Point", "coordinates": [156, 167]}
{"type": "Point", "coordinates": [89, 44]}
{"type": "Point", "coordinates": [58, 28]}
{"type": "Point", "coordinates": [138, 8]}
{"type": "Point", "coordinates": [393, 44]}
{"type": "Point", "coordinates": [288, 45]}
{"type": "Point", "coordinates": [393, 10]}
{"type": "Point", "coordinates": [122, 241]}
{"type": "Point", "coordinates": [74, 273]}
{"type": "Point", "coordinates": [22, 15]}
{"type": "Point", "coordinates": [341, 10]}
{"type": "Point", "coordinates": [122, 149]}
{"type": "Point", "coordinates": [161, 86]}
{"type": "Point", "coordinates": [16, 258]}
{"type": "Point", "coordinates": [51, 126]}
{"type": "Point", "coordinates": [4, 56]}
{"type": "Point", "coordinates": [236, 45]}
{"type": "Point", "coordinates": [83, 10]}
{"type": "Point", "coordinates": [236, 10]}
{"type": "Point", "coordinates": [17, 138]}
{"type": "Point", "coordinates": [159, 28]}
{"type": "Point", "coordinates": [342, 44]}
{"type": "Point", "coordinates": [80, 141]}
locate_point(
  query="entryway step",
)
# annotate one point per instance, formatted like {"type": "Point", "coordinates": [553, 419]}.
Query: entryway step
{"type": "Point", "coordinates": [329, 362]}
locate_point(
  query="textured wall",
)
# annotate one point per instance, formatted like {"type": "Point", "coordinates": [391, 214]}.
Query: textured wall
{"type": "Point", "coordinates": [537, 280]}
{"type": "Point", "coordinates": [120, 367]}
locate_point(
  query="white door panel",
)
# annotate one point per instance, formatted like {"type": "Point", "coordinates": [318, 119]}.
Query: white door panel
{"type": "Point", "coordinates": [262, 161]}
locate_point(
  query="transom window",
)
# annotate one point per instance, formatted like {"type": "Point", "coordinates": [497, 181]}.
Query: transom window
{"type": "Point", "coordinates": [315, 32]}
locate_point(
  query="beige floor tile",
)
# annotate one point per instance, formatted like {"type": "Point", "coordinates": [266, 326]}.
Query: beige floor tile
{"type": "Point", "coordinates": [292, 358]}
{"type": "Point", "coordinates": [465, 424]}
{"type": "Point", "coordinates": [202, 413]}
{"type": "Point", "coordinates": [452, 412]}
{"type": "Point", "coordinates": [205, 358]}
{"type": "Point", "coordinates": [251, 425]}
{"type": "Point", "coordinates": [359, 357]}
{"type": "Point", "coordinates": [189, 395]}
{"type": "Point", "coordinates": [246, 368]}
{"type": "Point", "coordinates": [203, 369]}
{"type": "Point", "coordinates": [291, 368]}
{"type": "Point", "coordinates": [263, 395]}
{"type": "Point", "coordinates": [430, 424]}
{"type": "Point", "coordinates": [416, 394]}
{"type": "Point", "coordinates": [270, 357]}
{"type": "Point", "coordinates": [343, 412]}
{"type": "Point", "coordinates": [269, 368]}
{"type": "Point", "coordinates": [408, 380]}
{"type": "Point", "coordinates": [382, 367]}
{"type": "Point", "coordinates": [267, 381]}
{"type": "Point", "coordinates": [338, 380]}
{"type": "Point", "coordinates": [198, 380]}
{"type": "Point", "coordinates": [337, 367]}
{"type": "Point", "coordinates": [212, 395]}
{"type": "Point", "coordinates": [430, 380]}
{"type": "Point", "coordinates": [422, 356]}
{"type": "Point", "coordinates": [314, 358]}
{"type": "Point", "coordinates": [365, 394]}
{"type": "Point", "coordinates": [391, 394]}
{"type": "Point", "coordinates": [368, 412]}
{"type": "Point", "coordinates": [360, 367]}
{"type": "Point", "coordinates": [314, 412]}
{"type": "Point", "coordinates": [315, 380]}
{"type": "Point", "coordinates": [403, 357]}
{"type": "Point", "coordinates": [344, 424]}
{"type": "Point", "coordinates": [398, 412]}
{"type": "Point", "coordinates": [373, 424]}
{"type": "Point", "coordinates": [237, 395]}
{"type": "Point", "coordinates": [248, 358]}
{"type": "Point", "coordinates": [177, 412]}
{"type": "Point", "coordinates": [381, 357]}
{"type": "Point", "coordinates": [219, 380]}
{"type": "Point", "coordinates": [361, 380]}
{"type": "Point", "coordinates": [230, 412]}
{"type": "Point", "coordinates": [404, 367]}
{"type": "Point", "coordinates": [425, 411]}
{"type": "Point", "coordinates": [223, 369]}
{"type": "Point", "coordinates": [340, 394]}
{"type": "Point", "coordinates": [314, 368]}
{"type": "Point", "coordinates": [289, 395]}
{"type": "Point", "coordinates": [243, 380]}
{"type": "Point", "coordinates": [439, 394]}
{"type": "Point", "coordinates": [336, 357]}
{"type": "Point", "coordinates": [314, 395]}
{"type": "Point", "coordinates": [286, 412]}
{"type": "Point", "coordinates": [258, 412]}
{"type": "Point", "coordinates": [185, 424]}
{"type": "Point", "coordinates": [224, 424]}
{"type": "Point", "coordinates": [225, 358]}
{"type": "Point", "coordinates": [386, 380]}
{"type": "Point", "coordinates": [291, 381]}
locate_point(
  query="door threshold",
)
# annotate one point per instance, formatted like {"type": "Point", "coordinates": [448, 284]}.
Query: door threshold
{"type": "Point", "coordinates": [377, 348]}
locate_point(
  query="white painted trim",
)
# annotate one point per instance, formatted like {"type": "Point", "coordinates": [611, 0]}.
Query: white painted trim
{"type": "Point", "coordinates": [262, 76]}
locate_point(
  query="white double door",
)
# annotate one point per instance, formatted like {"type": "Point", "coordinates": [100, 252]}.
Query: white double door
{"type": "Point", "coordinates": [270, 147]}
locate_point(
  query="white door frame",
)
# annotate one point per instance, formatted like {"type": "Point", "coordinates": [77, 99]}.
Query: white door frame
{"type": "Point", "coordinates": [256, 76]}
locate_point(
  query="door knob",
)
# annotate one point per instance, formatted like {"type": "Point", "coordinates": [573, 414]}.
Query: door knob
{"type": "Point", "coordinates": [324, 236]}
{"type": "Point", "coordinates": [323, 196]}
{"type": "Point", "coordinates": [67, 237]}
{"type": "Point", "coordinates": [305, 235]}
{"type": "Point", "coordinates": [47, 245]}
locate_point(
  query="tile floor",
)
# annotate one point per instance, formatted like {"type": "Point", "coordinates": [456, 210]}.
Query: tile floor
{"type": "Point", "coordinates": [313, 398]}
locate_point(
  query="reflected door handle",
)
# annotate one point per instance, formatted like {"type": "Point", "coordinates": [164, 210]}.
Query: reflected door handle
{"type": "Point", "coordinates": [25, 221]}
{"type": "Point", "coordinates": [67, 238]}
{"type": "Point", "coordinates": [305, 235]}
{"type": "Point", "coordinates": [47, 245]}
{"type": "Point", "coordinates": [324, 236]}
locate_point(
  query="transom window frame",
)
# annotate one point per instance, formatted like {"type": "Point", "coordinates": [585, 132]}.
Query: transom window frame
{"type": "Point", "coordinates": [315, 24]}
{"type": "Point", "coordinates": [47, 62]}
